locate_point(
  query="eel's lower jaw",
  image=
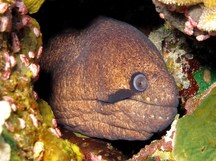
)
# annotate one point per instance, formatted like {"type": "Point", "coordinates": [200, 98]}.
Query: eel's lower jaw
{"type": "Point", "coordinates": [125, 120]}
{"type": "Point", "coordinates": [141, 120]}
{"type": "Point", "coordinates": [157, 117]}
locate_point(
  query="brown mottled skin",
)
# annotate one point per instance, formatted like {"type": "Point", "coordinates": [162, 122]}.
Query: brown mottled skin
{"type": "Point", "coordinates": [92, 91]}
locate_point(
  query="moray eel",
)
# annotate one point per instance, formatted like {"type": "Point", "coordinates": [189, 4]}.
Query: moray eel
{"type": "Point", "coordinates": [109, 81]}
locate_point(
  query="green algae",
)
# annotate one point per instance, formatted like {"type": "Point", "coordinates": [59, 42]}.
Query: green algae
{"type": "Point", "coordinates": [203, 85]}
{"type": "Point", "coordinates": [33, 5]}
{"type": "Point", "coordinates": [195, 137]}
{"type": "Point", "coordinates": [56, 148]}
{"type": "Point", "coordinates": [163, 155]}
{"type": "Point", "coordinates": [46, 112]}
{"type": "Point", "coordinates": [29, 41]}
{"type": "Point", "coordinates": [59, 149]}
{"type": "Point", "coordinates": [21, 141]}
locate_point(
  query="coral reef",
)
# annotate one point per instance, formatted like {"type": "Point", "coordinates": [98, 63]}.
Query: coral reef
{"type": "Point", "coordinates": [27, 126]}
{"type": "Point", "coordinates": [195, 134]}
{"type": "Point", "coordinates": [195, 76]}
{"type": "Point", "coordinates": [158, 149]}
{"type": "Point", "coordinates": [207, 20]}
{"type": "Point", "coordinates": [204, 78]}
{"type": "Point", "coordinates": [33, 5]}
{"type": "Point", "coordinates": [28, 129]}
{"type": "Point", "coordinates": [192, 17]}
{"type": "Point", "coordinates": [5, 150]}
{"type": "Point", "coordinates": [180, 59]}
{"type": "Point", "coordinates": [208, 3]}
{"type": "Point", "coordinates": [93, 148]}
{"type": "Point", "coordinates": [184, 140]}
{"type": "Point", "coordinates": [192, 70]}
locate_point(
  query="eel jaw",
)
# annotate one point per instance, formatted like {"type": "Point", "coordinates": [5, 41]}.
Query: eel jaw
{"type": "Point", "coordinates": [138, 117]}
{"type": "Point", "coordinates": [126, 119]}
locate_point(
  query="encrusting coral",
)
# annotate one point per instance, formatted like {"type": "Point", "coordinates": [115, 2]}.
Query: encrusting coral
{"type": "Point", "coordinates": [207, 21]}
{"type": "Point", "coordinates": [28, 130]}
{"type": "Point", "coordinates": [193, 17]}
{"type": "Point", "coordinates": [207, 3]}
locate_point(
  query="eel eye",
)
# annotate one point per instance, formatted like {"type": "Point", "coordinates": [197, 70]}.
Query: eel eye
{"type": "Point", "coordinates": [140, 82]}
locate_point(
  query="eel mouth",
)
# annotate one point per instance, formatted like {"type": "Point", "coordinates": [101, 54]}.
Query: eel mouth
{"type": "Point", "coordinates": [130, 119]}
{"type": "Point", "coordinates": [142, 116]}
{"type": "Point", "coordinates": [126, 119]}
